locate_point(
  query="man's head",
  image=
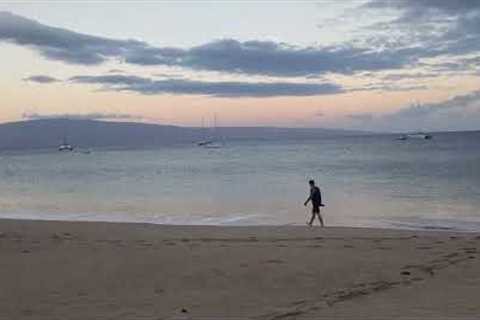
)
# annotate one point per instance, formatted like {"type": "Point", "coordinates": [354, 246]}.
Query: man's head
{"type": "Point", "coordinates": [311, 183]}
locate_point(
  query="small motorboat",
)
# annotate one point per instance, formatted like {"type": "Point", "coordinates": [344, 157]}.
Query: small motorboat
{"type": "Point", "coordinates": [417, 135]}
{"type": "Point", "coordinates": [204, 143]}
{"type": "Point", "coordinates": [65, 147]}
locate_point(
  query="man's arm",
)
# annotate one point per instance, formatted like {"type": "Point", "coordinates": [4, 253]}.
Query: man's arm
{"type": "Point", "coordinates": [308, 200]}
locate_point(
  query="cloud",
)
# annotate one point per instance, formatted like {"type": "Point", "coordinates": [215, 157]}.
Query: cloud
{"type": "Point", "coordinates": [227, 55]}
{"type": "Point", "coordinates": [461, 112]}
{"type": "Point", "coordinates": [416, 33]}
{"type": "Point", "coordinates": [409, 76]}
{"type": "Point", "coordinates": [149, 86]}
{"type": "Point", "coordinates": [41, 79]}
{"type": "Point", "coordinates": [116, 71]}
{"type": "Point", "coordinates": [422, 6]}
{"type": "Point", "coordinates": [280, 59]}
{"type": "Point", "coordinates": [459, 103]}
{"type": "Point", "coordinates": [438, 27]}
{"type": "Point", "coordinates": [61, 44]}
{"type": "Point", "coordinates": [80, 116]}
{"type": "Point", "coordinates": [112, 80]}
{"type": "Point", "coordinates": [388, 87]}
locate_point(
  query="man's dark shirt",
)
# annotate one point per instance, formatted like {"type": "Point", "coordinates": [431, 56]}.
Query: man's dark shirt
{"type": "Point", "coordinates": [315, 196]}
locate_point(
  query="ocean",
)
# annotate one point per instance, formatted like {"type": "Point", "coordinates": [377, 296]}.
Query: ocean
{"type": "Point", "coordinates": [366, 181]}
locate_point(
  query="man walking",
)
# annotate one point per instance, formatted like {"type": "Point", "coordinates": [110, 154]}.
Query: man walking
{"type": "Point", "coordinates": [316, 199]}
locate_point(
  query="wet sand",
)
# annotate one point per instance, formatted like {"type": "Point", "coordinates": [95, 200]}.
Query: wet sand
{"type": "Point", "coordinates": [81, 270]}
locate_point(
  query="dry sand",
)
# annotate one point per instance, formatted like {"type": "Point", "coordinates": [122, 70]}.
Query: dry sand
{"type": "Point", "coordinates": [73, 270]}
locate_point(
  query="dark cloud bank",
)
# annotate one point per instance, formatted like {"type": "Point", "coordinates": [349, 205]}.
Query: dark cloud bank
{"type": "Point", "coordinates": [460, 112]}
{"type": "Point", "coordinates": [225, 89]}
{"type": "Point", "coordinates": [218, 89]}
{"type": "Point", "coordinates": [249, 57]}
{"type": "Point", "coordinates": [41, 79]}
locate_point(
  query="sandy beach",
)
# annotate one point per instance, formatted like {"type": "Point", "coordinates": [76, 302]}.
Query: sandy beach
{"type": "Point", "coordinates": [82, 270]}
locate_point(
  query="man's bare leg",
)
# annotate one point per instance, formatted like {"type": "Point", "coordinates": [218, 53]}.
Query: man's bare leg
{"type": "Point", "coordinates": [310, 223]}
{"type": "Point", "coordinates": [320, 218]}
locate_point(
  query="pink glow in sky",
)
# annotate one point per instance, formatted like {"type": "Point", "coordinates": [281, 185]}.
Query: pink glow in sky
{"type": "Point", "coordinates": [370, 65]}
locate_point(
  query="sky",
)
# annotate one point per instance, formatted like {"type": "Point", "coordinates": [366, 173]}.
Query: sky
{"type": "Point", "coordinates": [376, 65]}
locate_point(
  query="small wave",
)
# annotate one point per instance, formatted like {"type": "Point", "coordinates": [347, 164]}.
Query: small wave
{"type": "Point", "coordinates": [437, 224]}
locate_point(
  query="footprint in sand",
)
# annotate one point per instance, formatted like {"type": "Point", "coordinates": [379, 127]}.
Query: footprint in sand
{"type": "Point", "coordinates": [470, 250]}
{"type": "Point", "coordinates": [144, 243]}
{"type": "Point", "coordinates": [158, 290]}
{"type": "Point", "coordinates": [423, 248]}
{"type": "Point", "coordinates": [63, 236]}
{"type": "Point", "coordinates": [299, 302]}
{"type": "Point", "coordinates": [274, 261]}
{"type": "Point", "coordinates": [115, 241]}
{"type": "Point", "coordinates": [428, 269]}
{"type": "Point", "coordinates": [219, 273]}
{"type": "Point", "coordinates": [27, 312]}
{"type": "Point", "coordinates": [416, 279]}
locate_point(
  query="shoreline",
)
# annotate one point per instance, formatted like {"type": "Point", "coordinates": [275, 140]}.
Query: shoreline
{"type": "Point", "coordinates": [80, 270]}
{"type": "Point", "coordinates": [410, 228]}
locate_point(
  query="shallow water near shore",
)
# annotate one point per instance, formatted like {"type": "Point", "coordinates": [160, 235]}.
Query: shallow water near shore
{"type": "Point", "coordinates": [366, 181]}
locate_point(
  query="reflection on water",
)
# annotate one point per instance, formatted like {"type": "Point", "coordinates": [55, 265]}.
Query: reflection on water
{"type": "Point", "coordinates": [366, 181]}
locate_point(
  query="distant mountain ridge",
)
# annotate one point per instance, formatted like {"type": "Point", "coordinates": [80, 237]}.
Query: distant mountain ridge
{"type": "Point", "coordinates": [49, 133]}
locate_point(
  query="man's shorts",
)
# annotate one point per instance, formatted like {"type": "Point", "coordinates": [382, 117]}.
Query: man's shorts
{"type": "Point", "coordinates": [316, 208]}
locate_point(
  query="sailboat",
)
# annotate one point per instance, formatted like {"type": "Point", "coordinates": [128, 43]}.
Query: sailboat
{"type": "Point", "coordinates": [415, 135]}
{"type": "Point", "coordinates": [213, 142]}
{"type": "Point", "coordinates": [204, 141]}
{"type": "Point", "coordinates": [65, 146]}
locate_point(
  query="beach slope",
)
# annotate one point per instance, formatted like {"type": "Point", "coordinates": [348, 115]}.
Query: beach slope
{"type": "Point", "coordinates": [92, 270]}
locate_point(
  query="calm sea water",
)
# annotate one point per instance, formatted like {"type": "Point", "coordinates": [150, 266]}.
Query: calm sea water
{"type": "Point", "coordinates": [366, 181]}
